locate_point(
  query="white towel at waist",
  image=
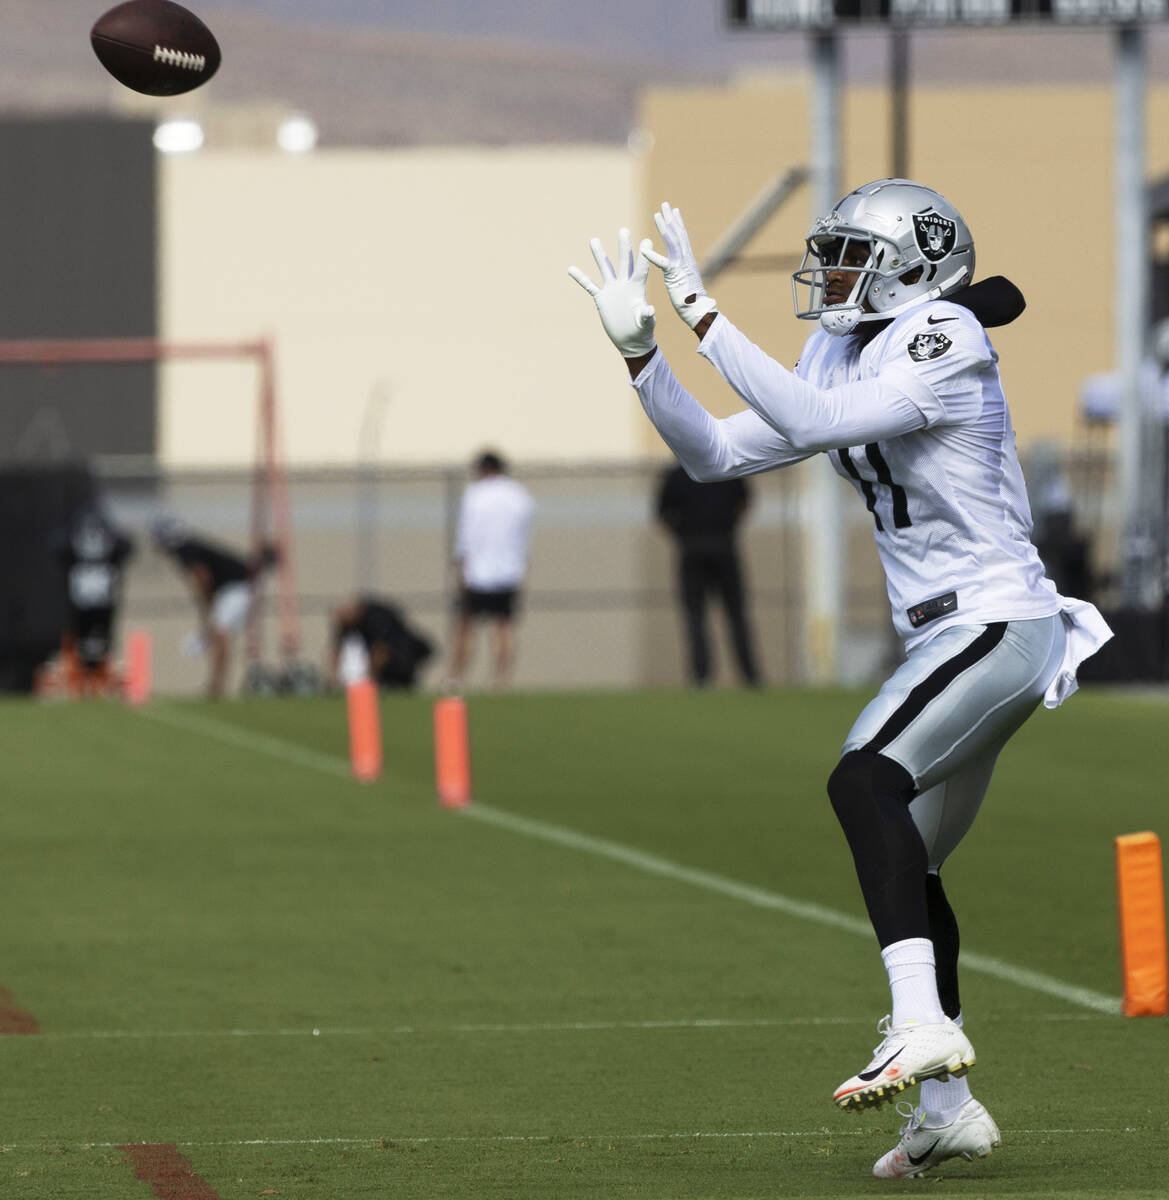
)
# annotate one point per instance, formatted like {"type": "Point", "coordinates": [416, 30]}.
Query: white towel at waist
{"type": "Point", "coordinates": [1087, 631]}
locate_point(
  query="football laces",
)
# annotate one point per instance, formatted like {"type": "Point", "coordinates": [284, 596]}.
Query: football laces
{"type": "Point", "coordinates": [179, 58]}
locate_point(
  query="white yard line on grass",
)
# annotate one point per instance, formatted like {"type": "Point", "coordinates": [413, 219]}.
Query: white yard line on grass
{"type": "Point", "coordinates": [550, 1027]}
{"type": "Point", "coordinates": [247, 739]}
{"type": "Point", "coordinates": [497, 1138]}
{"type": "Point", "coordinates": [1036, 981]}
{"type": "Point", "coordinates": [462, 1028]}
{"type": "Point", "coordinates": [639, 860]}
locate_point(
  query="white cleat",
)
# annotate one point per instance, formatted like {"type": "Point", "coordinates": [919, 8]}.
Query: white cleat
{"type": "Point", "coordinates": [908, 1054]}
{"type": "Point", "coordinates": [971, 1134]}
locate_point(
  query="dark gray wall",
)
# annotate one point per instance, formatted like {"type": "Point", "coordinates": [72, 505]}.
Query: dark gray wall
{"type": "Point", "coordinates": [77, 259]}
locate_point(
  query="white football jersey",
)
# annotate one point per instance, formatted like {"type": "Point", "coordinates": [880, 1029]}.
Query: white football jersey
{"type": "Point", "coordinates": [949, 504]}
{"type": "Point", "coordinates": [916, 421]}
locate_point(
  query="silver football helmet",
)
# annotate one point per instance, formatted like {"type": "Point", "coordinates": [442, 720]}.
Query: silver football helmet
{"type": "Point", "coordinates": [905, 243]}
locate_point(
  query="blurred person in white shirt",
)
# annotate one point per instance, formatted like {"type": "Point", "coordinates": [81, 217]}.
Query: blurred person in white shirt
{"type": "Point", "coordinates": [491, 557]}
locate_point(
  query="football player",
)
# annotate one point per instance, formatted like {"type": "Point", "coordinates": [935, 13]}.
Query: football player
{"type": "Point", "coordinates": [94, 553]}
{"type": "Point", "coordinates": [899, 386]}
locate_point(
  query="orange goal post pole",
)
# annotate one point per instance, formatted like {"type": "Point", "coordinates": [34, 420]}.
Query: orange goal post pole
{"type": "Point", "coordinates": [272, 480]}
{"type": "Point", "coordinates": [56, 352]}
{"type": "Point", "coordinates": [49, 352]}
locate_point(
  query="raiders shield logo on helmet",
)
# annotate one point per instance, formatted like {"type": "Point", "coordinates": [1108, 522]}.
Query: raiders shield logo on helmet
{"type": "Point", "coordinates": [935, 234]}
{"type": "Point", "coordinates": [928, 345]}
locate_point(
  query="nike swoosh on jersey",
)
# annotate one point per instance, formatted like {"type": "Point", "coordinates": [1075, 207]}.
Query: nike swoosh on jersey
{"type": "Point", "coordinates": [918, 1160]}
{"type": "Point", "coordinates": [867, 1075]}
{"type": "Point", "coordinates": [938, 320]}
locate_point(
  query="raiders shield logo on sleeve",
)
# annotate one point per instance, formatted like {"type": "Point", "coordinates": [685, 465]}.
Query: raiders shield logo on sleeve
{"type": "Point", "coordinates": [935, 234]}
{"type": "Point", "coordinates": [928, 345]}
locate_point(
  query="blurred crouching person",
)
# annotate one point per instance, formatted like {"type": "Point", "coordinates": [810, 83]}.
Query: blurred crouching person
{"type": "Point", "coordinates": [223, 585]}
{"type": "Point", "coordinates": [372, 640]}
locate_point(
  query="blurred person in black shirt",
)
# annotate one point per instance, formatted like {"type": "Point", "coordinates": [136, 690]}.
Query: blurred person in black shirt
{"type": "Point", "coordinates": [371, 639]}
{"type": "Point", "coordinates": [704, 518]}
{"type": "Point", "coordinates": [223, 585]}
{"type": "Point", "coordinates": [1066, 553]}
{"type": "Point", "coordinates": [1064, 548]}
{"type": "Point", "coordinates": [93, 552]}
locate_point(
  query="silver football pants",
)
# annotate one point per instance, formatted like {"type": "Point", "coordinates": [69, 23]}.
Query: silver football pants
{"type": "Point", "coordinates": [946, 712]}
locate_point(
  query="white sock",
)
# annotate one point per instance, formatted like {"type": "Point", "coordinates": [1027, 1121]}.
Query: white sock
{"type": "Point", "coordinates": [910, 964]}
{"type": "Point", "coordinates": [942, 1102]}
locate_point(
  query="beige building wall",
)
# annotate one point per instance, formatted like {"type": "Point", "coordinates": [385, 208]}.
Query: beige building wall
{"type": "Point", "coordinates": [430, 282]}
{"type": "Point", "coordinates": [1029, 167]}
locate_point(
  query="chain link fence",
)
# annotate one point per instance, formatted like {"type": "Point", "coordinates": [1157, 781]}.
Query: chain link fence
{"type": "Point", "coordinates": [599, 606]}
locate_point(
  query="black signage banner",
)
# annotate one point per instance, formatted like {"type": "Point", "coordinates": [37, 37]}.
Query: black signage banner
{"type": "Point", "coordinates": [934, 14]}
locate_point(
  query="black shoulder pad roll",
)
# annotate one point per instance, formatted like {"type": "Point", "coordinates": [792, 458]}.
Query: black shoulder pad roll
{"type": "Point", "coordinates": [994, 301]}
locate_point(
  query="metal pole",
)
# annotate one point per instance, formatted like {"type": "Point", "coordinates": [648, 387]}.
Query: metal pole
{"type": "Point", "coordinates": [825, 550]}
{"type": "Point", "coordinates": [453, 483]}
{"type": "Point", "coordinates": [261, 508]}
{"type": "Point", "coordinates": [762, 208]}
{"type": "Point", "coordinates": [369, 486]}
{"type": "Point", "coordinates": [825, 154]}
{"type": "Point", "coordinates": [899, 101]}
{"type": "Point", "coordinates": [1131, 311]}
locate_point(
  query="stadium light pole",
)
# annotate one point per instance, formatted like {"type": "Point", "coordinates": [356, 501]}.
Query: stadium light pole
{"type": "Point", "coordinates": [825, 548]}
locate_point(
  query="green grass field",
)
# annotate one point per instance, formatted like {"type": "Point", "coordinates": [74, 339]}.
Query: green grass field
{"type": "Point", "coordinates": [591, 984]}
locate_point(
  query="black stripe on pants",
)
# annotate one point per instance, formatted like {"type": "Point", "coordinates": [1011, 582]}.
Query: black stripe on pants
{"type": "Point", "coordinates": [934, 685]}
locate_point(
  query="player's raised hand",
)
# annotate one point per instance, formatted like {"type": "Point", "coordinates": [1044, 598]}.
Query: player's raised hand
{"type": "Point", "coordinates": [679, 268]}
{"type": "Point", "coordinates": [627, 316]}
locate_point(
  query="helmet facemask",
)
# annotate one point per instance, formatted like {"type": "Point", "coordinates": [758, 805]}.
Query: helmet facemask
{"type": "Point", "coordinates": [850, 251]}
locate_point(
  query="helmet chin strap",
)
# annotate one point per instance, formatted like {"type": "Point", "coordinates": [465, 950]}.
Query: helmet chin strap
{"type": "Point", "coordinates": [842, 319]}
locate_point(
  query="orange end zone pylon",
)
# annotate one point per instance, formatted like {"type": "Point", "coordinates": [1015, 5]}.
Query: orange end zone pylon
{"type": "Point", "coordinates": [365, 730]}
{"type": "Point", "coordinates": [1141, 895]}
{"type": "Point", "coordinates": [452, 753]}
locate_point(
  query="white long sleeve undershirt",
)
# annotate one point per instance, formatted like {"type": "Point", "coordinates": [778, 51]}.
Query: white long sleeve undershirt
{"type": "Point", "coordinates": [813, 418]}
{"type": "Point", "coordinates": [707, 447]}
{"type": "Point", "coordinates": [788, 420]}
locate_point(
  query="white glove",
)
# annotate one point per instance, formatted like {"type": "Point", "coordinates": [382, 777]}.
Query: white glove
{"type": "Point", "coordinates": [626, 315]}
{"type": "Point", "coordinates": [680, 268]}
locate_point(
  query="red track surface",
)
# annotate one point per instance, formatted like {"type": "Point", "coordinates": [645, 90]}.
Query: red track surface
{"type": "Point", "coordinates": [13, 1018]}
{"type": "Point", "coordinates": [169, 1174]}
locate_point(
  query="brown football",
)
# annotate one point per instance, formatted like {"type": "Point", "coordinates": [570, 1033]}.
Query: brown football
{"type": "Point", "coordinates": [156, 47]}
